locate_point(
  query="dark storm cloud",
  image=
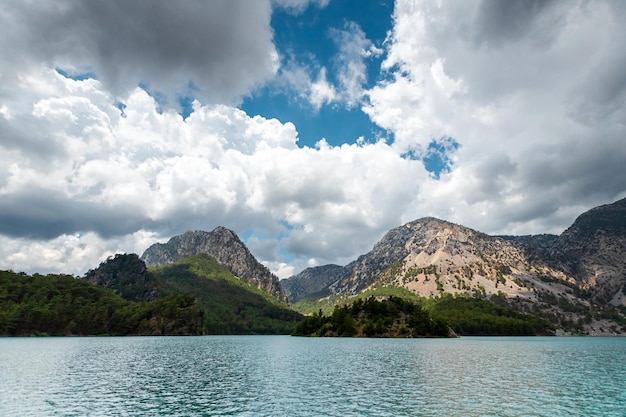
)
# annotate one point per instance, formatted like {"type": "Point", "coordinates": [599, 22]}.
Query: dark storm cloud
{"type": "Point", "coordinates": [219, 49]}
{"type": "Point", "coordinates": [42, 214]}
{"type": "Point", "coordinates": [603, 93]}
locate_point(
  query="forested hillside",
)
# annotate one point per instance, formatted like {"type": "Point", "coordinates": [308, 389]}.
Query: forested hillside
{"type": "Point", "coordinates": [386, 311]}
{"type": "Point", "coordinates": [194, 296]}
{"type": "Point", "coordinates": [576, 280]}
{"type": "Point", "coordinates": [63, 305]}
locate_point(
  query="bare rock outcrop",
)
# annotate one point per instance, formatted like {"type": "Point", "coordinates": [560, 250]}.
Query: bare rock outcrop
{"type": "Point", "coordinates": [225, 246]}
{"type": "Point", "coordinates": [593, 251]}
{"type": "Point", "coordinates": [311, 280]}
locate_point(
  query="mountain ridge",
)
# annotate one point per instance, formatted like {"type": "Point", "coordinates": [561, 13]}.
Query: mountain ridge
{"type": "Point", "coordinates": [222, 244]}
{"type": "Point", "coordinates": [580, 270]}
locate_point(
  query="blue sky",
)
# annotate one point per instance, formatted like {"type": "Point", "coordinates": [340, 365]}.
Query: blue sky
{"type": "Point", "coordinates": [309, 40]}
{"type": "Point", "coordinates": [309, 127]}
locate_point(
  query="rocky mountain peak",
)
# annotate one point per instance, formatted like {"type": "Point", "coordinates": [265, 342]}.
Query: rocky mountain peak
{"type": "Point", "coordinates": [608, 219]}
{"type": "Point", "coordinates": [430, 256]}
{"type": "Point", "coordinates": [593, 251]}
{"type": "Point", "coordinates": [566, 276]}
{"type": "Point", "coordinates": [222, 244]}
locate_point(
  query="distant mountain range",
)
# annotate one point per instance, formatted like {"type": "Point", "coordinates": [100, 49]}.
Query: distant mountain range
{"type": "Point", "coordinates": [209, 283]}
{"type": "Point", "coordinates": [562, 275]}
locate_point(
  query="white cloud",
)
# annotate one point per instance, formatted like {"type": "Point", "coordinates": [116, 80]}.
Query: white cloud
{"type": "Point", "coordinates": [296, 7]}
{"type": "Point", "coordinates": [446, 84]}
{"type": "Point", "coordinates": [534, 95]}
{"type": "Point", "coordinates": [69, 254]}
{"type": "Point", "coordinates": [533, 92]}
{"type": "Point", "coordinates": [299, 77]}
{"type": "Point", "coordinates": [304, 75]}
{"type": "Point", "coordinates": [322, 92]}
{"type": "Point", "coordinates": [121, 180]}
{"type": "Point", "coordinates": [354, 48]}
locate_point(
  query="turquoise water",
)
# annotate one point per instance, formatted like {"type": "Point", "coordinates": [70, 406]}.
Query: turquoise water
{"type": "Point", "coordinates": [287, 376]}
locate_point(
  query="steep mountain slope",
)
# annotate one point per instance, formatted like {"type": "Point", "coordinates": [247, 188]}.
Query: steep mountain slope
{"type": "Point", "coordinates": [593, 251]}
{"type": "Point", "coordinates": [533, 246]}
{"type": "Point", "coordinates": [569, 278]}
{"type": "Point", "coordinates": [223, 245]}
{"type": "Point", "coordinates": [126, 275]}
{"type": "Point", "coordinates": [430, 256]}
{"type": "Point", "coordinates": [228, 305]}
{"type": "Point", "coordinates": [310, 281]}
{"type": "Point", "coordinates": [231, 306]}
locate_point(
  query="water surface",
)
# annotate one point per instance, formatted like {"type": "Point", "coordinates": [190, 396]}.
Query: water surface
{"type": "Point", "coordinates": [286, 376]}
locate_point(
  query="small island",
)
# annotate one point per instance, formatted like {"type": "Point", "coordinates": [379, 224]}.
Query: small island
{"type": "Point", "coordinates": [374, 317]}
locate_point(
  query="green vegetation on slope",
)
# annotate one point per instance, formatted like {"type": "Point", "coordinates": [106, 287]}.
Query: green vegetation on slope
{"type": "Point", "coordinates": [230, 306]}
{"type": "Point", "coordinates": [64, 305]}
{"type": "Point", "coordinates": [390, 317]}
{"type": "Point", "coordinates": [126, 275]}
{"type": "Point", "coordinates": [465, 315]}
{"type": "Point", "coordinates": [192, 297]}
{"type": "Point", "coordinates": [326, 302]}
{"type": "Point", "coordinates": [480, 317]}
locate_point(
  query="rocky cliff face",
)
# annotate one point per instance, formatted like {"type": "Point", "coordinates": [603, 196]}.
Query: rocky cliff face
{"type": "Point", "coordinates": [430, 256]}
{"type": "Point", "coordinates": [223, 245]}
{"type": "Point", "coordinates": [593, 252]}
{"type": "Point", "coordinates": [562, 276]}
{"type": "Point", "coordinates": [311, 281]}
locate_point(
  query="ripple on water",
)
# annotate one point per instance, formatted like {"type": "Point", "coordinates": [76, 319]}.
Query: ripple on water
{"type": "Point", "coordinates": [283, 376]}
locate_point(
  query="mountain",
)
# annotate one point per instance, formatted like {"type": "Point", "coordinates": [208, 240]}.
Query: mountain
{"type": "Point", "coordinates": [575, 279]}
{"type": "Point", "coordinates": [230, 305]}
{"type": "Point", "coordinates": [223, 245]}
{"type": "Point", "coordinates": [310, 281]}
{"type": "Point", "coordinates": [593, 252]}
{"type": "Point", "coordinates": [431, 256]}
{"type": "Point", "coordinates": [193, 296]}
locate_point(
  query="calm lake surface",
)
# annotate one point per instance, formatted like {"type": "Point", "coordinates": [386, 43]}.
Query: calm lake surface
{"type": "Point", "coordinates": [288, 376]}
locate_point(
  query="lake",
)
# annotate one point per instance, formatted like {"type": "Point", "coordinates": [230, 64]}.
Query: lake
{"type": "Point", "coordinates": [288, 376]}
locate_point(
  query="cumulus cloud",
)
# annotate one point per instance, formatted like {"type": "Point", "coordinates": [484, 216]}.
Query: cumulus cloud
{"type": "Point", "coordinates": [70, 254]}
{"type": "Point", "coordinates": [522, 103]}
{"type": "Point", "coordinates": [117, 177]}
{"type": "Point", "coordinates": [532, 91]}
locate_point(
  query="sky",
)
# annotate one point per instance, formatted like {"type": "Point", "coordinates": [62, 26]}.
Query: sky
{"type": "Point", "coordinates": [309, 127]}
